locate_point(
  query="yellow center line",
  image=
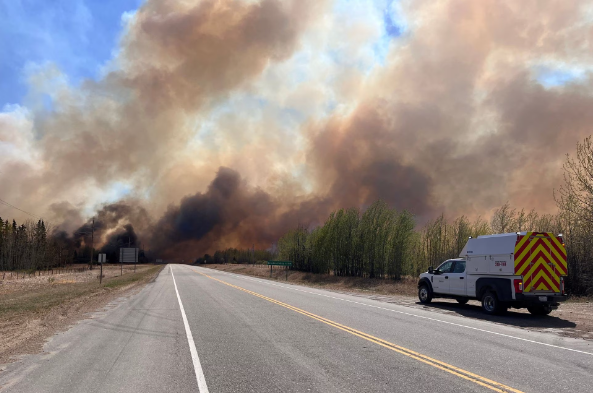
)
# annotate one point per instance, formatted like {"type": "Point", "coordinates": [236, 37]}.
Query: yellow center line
{"type": "Point", "coordinates": [498, 387]}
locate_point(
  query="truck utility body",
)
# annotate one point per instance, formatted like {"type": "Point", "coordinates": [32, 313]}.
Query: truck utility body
{"type": "Point", "coordinates": [518, 270]}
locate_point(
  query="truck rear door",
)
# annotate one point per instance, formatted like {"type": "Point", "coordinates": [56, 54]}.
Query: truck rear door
{"type": "Point", "coordinates": [457, 279]}
{"type": "Point", "coordinates": [541, 259]}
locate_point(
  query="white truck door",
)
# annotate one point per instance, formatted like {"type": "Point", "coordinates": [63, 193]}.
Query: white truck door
{"type": "Point", "coordinates": [440, 283]}
{"type": "Point", "coordinates": [457, 279]}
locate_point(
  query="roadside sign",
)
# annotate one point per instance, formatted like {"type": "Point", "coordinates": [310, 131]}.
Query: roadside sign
{"type": "Point", "coordinates": [279, 263]}
{"type": "Point", "coordinates": [286, 264]}
{"type": "Point", "coordinates": [128, 255]}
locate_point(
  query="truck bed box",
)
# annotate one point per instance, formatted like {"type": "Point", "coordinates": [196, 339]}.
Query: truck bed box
{"type": "Point", "coordinates": [539, 257]}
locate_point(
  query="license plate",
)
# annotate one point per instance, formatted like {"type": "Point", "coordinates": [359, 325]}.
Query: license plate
{"type": "Point", "coordinates": [543, 298]}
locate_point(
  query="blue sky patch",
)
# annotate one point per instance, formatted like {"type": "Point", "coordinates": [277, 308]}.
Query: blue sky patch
{"type": "Point", "coordinates": [79, 36]}
{"type": "Point", "coordinates": [392, 29]}
{"type": "Point", "coordinates": [117, 191]}
{"type": "Point", "coordinates": [550, 78]}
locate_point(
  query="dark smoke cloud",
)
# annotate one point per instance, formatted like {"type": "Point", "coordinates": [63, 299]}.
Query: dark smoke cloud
{"type": "Point", "coordinates": [113, 223]}
{"type": "Point", "coordinates": [122, 237]}
{"type": "Point", "coordinates": [229, 211]}
{"type": "Point", "coordinates": [358, 161]}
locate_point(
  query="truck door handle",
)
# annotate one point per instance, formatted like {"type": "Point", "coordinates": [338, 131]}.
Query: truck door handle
{"type": "Point", "coordinates": [461, 278]}
{"type": "Point", "coordinates": [447, 277]}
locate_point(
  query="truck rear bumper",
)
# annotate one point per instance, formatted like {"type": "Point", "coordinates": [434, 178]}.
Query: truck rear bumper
{"type": "Point", "coordinates": [530, 300]}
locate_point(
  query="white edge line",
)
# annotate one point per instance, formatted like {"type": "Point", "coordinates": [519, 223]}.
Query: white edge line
{"type": "Point", "coordinates": [202, 387]}
{"type": "Point", "coordinates": [408, 314]}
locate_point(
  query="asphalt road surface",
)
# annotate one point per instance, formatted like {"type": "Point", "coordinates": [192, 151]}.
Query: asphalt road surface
{"type": "Point", "coordinates": [200, 330]}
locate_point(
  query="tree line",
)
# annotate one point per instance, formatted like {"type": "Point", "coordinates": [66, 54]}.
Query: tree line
{"type": "Point", "coordinates": [236, 255]}
{"type": "Point", "coordinates": [382, 242]}
{"type": "Point", "coordinates": [29, 246]}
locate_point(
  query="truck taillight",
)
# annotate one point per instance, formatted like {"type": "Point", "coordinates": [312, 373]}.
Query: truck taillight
{"type": "Point", "coordinates": [562, 285]}
{"type": "Point", "coordinates": [518, 285]}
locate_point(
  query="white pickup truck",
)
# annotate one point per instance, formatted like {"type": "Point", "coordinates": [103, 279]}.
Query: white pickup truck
{"type": "Point", "coordinates": [518, 270]}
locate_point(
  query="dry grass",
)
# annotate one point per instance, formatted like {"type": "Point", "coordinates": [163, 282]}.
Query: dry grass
{"type": "Point", "coordinates": [407, 286]}
{"type": "Point", "coordinates": [34, 295]}
{"type": "Point", "coordinates": [78, 274]}
{"type": "Point", "coordinates": [31, 310]}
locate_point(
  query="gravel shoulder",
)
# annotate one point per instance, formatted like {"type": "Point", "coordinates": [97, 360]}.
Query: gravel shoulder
{"type": "Point", "coordinates": [573, 318]}
{"type": "Point", "coordinates": [35, 308]}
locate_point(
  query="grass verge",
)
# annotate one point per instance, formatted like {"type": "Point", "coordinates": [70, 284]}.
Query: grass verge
{"type": "Point", "coordinates": [55, 294]}
{"type": "Point", "coordinates": [29, 316]}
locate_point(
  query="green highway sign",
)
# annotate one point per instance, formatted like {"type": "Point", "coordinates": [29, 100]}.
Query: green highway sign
{"type": "Point", "coordinates": [279, 263]}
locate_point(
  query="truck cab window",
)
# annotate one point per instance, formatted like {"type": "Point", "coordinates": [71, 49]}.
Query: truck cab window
{"type": "Point", "coordinates": [445, 267]}
{"type": "Point", "coordinates": [459, 267]}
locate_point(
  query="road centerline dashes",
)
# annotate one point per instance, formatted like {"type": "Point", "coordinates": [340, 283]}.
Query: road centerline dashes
{"type": "Point", "coordinates": [461, 373]}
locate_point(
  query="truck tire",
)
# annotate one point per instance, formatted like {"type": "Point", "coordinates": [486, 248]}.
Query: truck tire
{"type": "Point", "coordinates": [540, 310]}
{"type": "Point", "coordinates": [424, 294]}
{"type": "Point", "coordinates": [462, 301]}
{"type": "Point", "coordinates": [490, 304]}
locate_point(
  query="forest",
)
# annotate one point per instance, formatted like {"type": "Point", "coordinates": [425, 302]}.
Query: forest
{"type": "Point", "coordinates": [33, 246]}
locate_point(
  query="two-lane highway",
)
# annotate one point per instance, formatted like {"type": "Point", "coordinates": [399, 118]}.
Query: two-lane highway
{"type": "Point", "coordinates": [198, 330]}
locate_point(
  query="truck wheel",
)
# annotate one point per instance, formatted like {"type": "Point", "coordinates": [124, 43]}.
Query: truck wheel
{"type": "Point", "coordinates": [424, 294]}
{"type": "Point", "coordinates": [490, 303]}
{"type": "Point", "coordinates": [540, 310]}
{"type": "Point", "coordinates": [462, 301]}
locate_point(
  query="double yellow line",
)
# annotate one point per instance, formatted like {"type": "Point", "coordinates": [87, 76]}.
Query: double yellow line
{"type": "Point", "coordinates": [497, 387]}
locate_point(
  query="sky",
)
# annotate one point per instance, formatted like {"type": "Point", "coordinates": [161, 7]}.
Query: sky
{"type": "Point", "coordinates": [262, 114]}
{"type": "Point", "coordinates": [79, 37]}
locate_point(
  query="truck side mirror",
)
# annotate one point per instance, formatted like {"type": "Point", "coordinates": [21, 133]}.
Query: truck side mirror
{"type": "Point", "coordinates": [430, 270]}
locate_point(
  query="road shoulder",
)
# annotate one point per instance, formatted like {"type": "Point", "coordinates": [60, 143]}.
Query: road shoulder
{"type": "Point", "coordinates": [30, 316]}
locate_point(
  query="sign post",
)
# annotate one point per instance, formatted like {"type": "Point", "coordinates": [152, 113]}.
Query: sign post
{"type": "Point", "coordinates": [286, 264]}
{"type": "Point", "coordinates": [102, 260]}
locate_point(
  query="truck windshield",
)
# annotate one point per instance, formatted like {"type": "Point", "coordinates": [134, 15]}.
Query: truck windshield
{"type": "Point", "coordinates": [445, 267]}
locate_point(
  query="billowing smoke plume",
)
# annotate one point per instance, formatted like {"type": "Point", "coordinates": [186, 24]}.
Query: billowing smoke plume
{"type": "Point", "coordinates": [227, 212]}
{"type": "Point", "coordinates": [177, 59]}
{"type": "Point", "coordinates": [125, 237]}
{"type": "Point", "coordinates": [456, 121]}
{"type": "Point", "coordinates": [230, 121]}
{"type": "Point", "coordinates": [114, 218]}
